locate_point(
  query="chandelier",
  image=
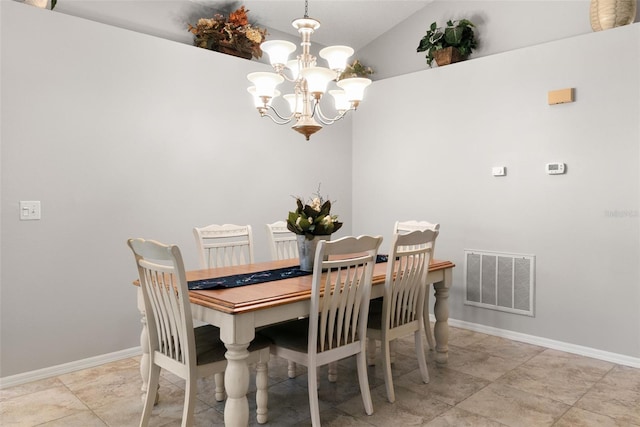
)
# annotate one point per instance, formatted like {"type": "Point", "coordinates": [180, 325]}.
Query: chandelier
{"type": "Point", "coordinates": [309, 81]}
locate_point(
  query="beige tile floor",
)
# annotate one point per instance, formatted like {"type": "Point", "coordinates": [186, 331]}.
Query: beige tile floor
{"type": "Point", "coordinates": [488, 381]}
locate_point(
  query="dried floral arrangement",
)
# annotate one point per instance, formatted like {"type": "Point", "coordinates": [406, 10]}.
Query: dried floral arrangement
{"type": "Point", "coordinates": [229, 32]}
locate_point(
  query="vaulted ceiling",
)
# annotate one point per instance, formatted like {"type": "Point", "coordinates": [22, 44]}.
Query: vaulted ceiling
{"type": "Point", "coordinates": [353, 23]}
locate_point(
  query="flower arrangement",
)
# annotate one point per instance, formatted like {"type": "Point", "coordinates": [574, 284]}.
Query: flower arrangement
{"type": "Point", "coordinates": [313, 219]}
{"type": "Point", "coordinates": [233, 31]}
{"type": "Point", "coordinates": [357, 69]}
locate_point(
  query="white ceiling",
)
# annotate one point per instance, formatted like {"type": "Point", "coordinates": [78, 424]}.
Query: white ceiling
{"type": "Point", "coordinates": [352, 23]}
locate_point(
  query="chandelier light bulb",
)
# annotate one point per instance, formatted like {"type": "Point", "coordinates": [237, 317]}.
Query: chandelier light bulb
{"type": "Point", "coordinates": [294, 66]}
{"type": "Point", "coordinates": [318, 78]}
{"type": "Point", "coordinates": [257, 101]}
{"type": "Point", "coordinates": [278, 51]}
{"type": "Point", "coordinates": [354, 88]}
{"type": "Point", "coordinates": [294, 102]}
{"type": "Point", "coordinates": [336, 57]}
{"type": "Point", "coordinates": [265, 83]}
{"type": "Point", "coordinates": [340, 100]}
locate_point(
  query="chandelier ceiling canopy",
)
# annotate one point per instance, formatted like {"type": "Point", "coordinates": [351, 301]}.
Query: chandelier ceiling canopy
{"type": "Point", "coordinates": [310, 82]}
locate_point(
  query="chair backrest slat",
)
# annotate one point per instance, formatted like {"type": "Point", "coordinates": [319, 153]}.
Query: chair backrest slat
{"type": "Point", "coordinates": [407, 270]}
{"type": "Point", "coordinates": [404, 227]}
{"type": "Point", "coordinates": [283, 243]}
{"type": "Point", "coordinates": [224, 245]}
{"type": "Point", "coordinates": [165, 294]}
{"type": "Point", "coordinates": [339, 318]}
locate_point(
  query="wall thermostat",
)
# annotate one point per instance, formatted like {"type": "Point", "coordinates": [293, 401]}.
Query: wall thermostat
{"type": "Point", "coordinates": [554, 168]}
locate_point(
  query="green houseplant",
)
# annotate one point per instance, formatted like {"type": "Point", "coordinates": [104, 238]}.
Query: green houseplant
{"type": "Point", "coordinates": [311, 223]}
{"type": "Point", "coordinates": [457, 35]}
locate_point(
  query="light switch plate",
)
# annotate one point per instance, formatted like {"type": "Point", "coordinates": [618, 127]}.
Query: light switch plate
{"type": "Point", "coordinates": [499, 171]}
{"type": "Point", "coordinates": [29, 210]}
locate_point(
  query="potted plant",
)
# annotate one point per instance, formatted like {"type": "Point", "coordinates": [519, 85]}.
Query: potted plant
{"type": "Point", "coordinates": [311, 223]}
{"type": "Point", "coordinates": [453, 43]}
{"type": "Point", "coordinates": [357, 69]}
{"type": "Point", "coordinates": [232, 34]}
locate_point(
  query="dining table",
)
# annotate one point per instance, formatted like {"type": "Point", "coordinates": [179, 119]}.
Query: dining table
{"type": "Point", "coordinates": [239, 310]}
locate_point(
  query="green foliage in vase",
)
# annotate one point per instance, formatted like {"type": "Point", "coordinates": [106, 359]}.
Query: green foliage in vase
{"type": "Point", "coordinates": [313, 219]}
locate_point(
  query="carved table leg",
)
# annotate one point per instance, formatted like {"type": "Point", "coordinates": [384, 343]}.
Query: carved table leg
{"type": "Point", "coordinates": [441, 311]}
{"type": "Point", "coordinates": [236, 380]}
{"type": "Point", "coordinates": [262, 383]}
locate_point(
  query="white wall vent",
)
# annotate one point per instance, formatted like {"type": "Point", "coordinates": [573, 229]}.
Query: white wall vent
{"type": "Point", "coordinates": [500, 281]}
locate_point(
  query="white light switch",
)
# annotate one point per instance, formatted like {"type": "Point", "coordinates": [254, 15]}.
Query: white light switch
{"type": "Point", "coordinates": [499, 171]}
{"type": "Point", "coordinates": [29, 210]}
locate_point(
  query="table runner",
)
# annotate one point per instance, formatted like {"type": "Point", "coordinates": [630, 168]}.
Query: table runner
{"type": "Point", "coordinates": [254, 278]}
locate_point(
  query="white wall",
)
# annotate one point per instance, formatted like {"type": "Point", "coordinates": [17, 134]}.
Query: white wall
{"type": "Point", "coordinates": [124, 135]}
{"type": "Point", "coordinates": [501, 26]}
{"type": "Point", "coordinates": [433, 159]}
{"type": "Point", "coordinates": [121, 134]}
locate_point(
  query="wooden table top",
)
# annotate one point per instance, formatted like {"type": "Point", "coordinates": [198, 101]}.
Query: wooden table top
{"type": "Point", "coordinates": [269, 294]}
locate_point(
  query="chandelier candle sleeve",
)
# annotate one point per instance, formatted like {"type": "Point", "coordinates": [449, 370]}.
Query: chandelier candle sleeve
{"type": "Point", "coordinates": [257, 101]}
{"type": "Point", "coordinates": [317, 79]}
{"type": "Point", "coordinates": [278, 51]}
{"type": "Point", "coordinates": [337, 56]}
{"type": "Point", "coordinates": [265, 84]}
{"type": "Point", "coordinates": [309, 80]}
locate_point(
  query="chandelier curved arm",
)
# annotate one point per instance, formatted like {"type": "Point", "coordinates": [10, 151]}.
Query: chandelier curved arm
{"type": "Point", "coordinates": [278, 119]}
{"type": "Point", "coordinates": [322, 118]}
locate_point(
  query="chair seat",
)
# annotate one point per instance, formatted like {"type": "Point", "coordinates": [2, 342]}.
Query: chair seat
{"type": "Point", "coordinates": [293, 335]}
{"type": "Point", "coordinates": [210, 348]}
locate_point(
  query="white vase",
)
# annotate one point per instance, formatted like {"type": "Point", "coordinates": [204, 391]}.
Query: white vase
{"type": "Point", "coordinates": [607, 14]}
{"type": "Point", "coordinates": [307, 250]}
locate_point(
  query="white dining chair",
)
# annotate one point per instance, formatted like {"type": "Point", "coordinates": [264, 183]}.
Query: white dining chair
{"type": "Point", "coordinates": [337, 323]}
{"type": "Point", "coordinates": [283, 243]}
{"type": "Point", "coordinates": [403, 301]}
{"type": "Point", "coordinates": [403, 227]}
{"type": "Point", "coordinates": [174, 344]}
{"type": "Point", "coordinates": [224, 245]}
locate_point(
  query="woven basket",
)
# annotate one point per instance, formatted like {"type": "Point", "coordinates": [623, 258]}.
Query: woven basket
{"type": "Point", "coordinates": [447, 56]}
{"type": "Point", "coordinates": [607, 14]}
{"type": "Point", "coordinates": [229, 49]}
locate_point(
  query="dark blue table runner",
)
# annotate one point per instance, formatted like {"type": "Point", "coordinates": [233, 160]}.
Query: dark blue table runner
{"type": "Point", "coordinates": [254, 278]}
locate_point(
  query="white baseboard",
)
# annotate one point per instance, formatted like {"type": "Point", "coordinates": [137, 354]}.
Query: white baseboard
{"type": "Point", "coordinates": [65, 368]}
{"type": "Point", "coordinates": [620, 359]}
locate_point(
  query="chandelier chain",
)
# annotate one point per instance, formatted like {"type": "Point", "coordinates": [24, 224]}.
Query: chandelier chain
{"type": "Point", "coordinates": [306, 8]}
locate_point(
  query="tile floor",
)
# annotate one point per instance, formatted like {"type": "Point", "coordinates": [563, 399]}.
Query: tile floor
{"type": "Point", "coordinates": [488, 381]}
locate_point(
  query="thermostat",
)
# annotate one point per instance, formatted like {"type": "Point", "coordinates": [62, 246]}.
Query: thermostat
{"type": "Point", "coordinates": [554, 168]}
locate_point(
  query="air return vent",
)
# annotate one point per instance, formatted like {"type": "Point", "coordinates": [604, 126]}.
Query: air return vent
{"type": "Point", "coordinates": [500, 281]}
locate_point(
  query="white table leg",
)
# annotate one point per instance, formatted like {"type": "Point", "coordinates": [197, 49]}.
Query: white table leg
{"type": "Point", "coordinates": [426, 320]}
{"type": "Point", "coordinates": [236, 381]}
{"type": "Point", "coordinates": [441, 312]}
